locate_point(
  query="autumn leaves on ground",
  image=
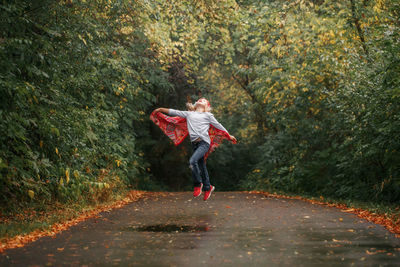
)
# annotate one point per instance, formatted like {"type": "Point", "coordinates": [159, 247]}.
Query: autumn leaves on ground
{"type": "Point", "coordinates": [309, 88]}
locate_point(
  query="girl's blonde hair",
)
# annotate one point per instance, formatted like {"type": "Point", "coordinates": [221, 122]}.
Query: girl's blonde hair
{"type": "Point", "coordinates": [192, 107]}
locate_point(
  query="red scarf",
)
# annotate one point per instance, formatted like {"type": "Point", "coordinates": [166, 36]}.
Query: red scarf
{"type": "Point", "coordinates": [176, 129]}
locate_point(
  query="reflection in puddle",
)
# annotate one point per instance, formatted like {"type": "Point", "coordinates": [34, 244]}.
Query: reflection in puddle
{"type": "Point", "coordinates": [169, 228]}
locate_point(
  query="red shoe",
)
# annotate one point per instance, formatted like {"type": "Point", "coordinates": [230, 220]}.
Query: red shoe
{"type": "Point", "coordinates": [207, 194]}
{"type": "Point", "coordinates": [197, 190]}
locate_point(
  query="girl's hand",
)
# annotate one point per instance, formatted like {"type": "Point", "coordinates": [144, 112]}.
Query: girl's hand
{"type": "Point", "coordinates": [160, 110]}
{"type": "Point", "coordinates": [163, 110]}
{"type": "Point", "coordinates": [233, 138]}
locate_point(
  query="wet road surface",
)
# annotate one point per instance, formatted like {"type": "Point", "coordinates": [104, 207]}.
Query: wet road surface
{"type": "Point", "coordinates": [230, 229]}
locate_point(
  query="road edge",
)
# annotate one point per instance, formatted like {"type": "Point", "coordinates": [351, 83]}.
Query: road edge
{"type": "Point", "coordinates": [377, 218]}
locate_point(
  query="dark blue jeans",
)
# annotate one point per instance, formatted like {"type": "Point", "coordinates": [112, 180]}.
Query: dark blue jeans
{"type": "Point", "coordinates": [198, 165]}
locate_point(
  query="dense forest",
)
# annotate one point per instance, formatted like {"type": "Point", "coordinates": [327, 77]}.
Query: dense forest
{"type": "Point", "coordinates": [311, 90]}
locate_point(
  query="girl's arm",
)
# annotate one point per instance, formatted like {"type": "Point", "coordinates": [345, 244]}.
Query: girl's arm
{"type": "Point", "coordinates": [173, 112]}
{"type": "Point", "coordinates": [219, 126]}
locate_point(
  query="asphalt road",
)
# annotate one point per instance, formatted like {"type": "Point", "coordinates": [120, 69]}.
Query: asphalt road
{"type": "Point", "coordinates": [230, 229]}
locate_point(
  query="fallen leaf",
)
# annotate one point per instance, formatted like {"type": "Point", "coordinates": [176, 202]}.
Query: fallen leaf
{"type": "Point", "coordinates": [348, 210]}
{"type": "Point", "coordinates": [31, 194]}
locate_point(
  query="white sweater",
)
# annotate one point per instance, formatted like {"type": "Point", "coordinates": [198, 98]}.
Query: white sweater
{"type": "Point", "coordinates": [198, 123]}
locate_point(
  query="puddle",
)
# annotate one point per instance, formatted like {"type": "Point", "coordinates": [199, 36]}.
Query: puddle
{"type": "Point", "coordinates": [168, 228]}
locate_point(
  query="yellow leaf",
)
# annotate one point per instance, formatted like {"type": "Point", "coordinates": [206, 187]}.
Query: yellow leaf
{"type": "Point", "coordinates": [127, 30]}
{"type": "Point", "coordinates": [319, 78]}
{"type": "Point", "coordinates": [57, 151]}
{"type": "Point", "coordinates": [41, 143]}
{"type": "Point", "coordinates": [67, 175]}
{"type": "Point", "coordinates": [76, 174]}
{"type": "Point", "coordinates": [31, 194]}
{"type": "Point", "coordinates": [61, 182]}
{"type": "Point", "coordinates": [292, 84]}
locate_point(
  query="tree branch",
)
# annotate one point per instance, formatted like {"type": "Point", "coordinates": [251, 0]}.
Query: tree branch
{"type": "Point", "coordinates": [358, 27]}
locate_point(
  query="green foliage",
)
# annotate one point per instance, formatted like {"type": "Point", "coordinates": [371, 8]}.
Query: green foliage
{"type": "Point", "coordinates": [74, 77]}
{"type": "Point", "coordinates": [309, 88]}
{"type": "Point", "coordinates": [331, 106]}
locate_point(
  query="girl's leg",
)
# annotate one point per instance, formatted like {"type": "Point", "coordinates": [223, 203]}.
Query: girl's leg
{"type": "Point", "coordinates": [204, 172]}
{"type": "Point", "coordinates": [200, 149]}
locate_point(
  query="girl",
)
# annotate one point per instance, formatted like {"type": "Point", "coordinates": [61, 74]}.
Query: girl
{"type": "Point", "coordinates": [205, 133]}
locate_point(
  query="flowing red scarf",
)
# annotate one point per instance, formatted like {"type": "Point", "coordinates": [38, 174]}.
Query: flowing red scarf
{"type": "Point", "coordinates": [176, 129]}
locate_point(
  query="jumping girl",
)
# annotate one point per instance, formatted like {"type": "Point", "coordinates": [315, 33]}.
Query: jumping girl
{"type": "Point", "coordinates": [205, 132]}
